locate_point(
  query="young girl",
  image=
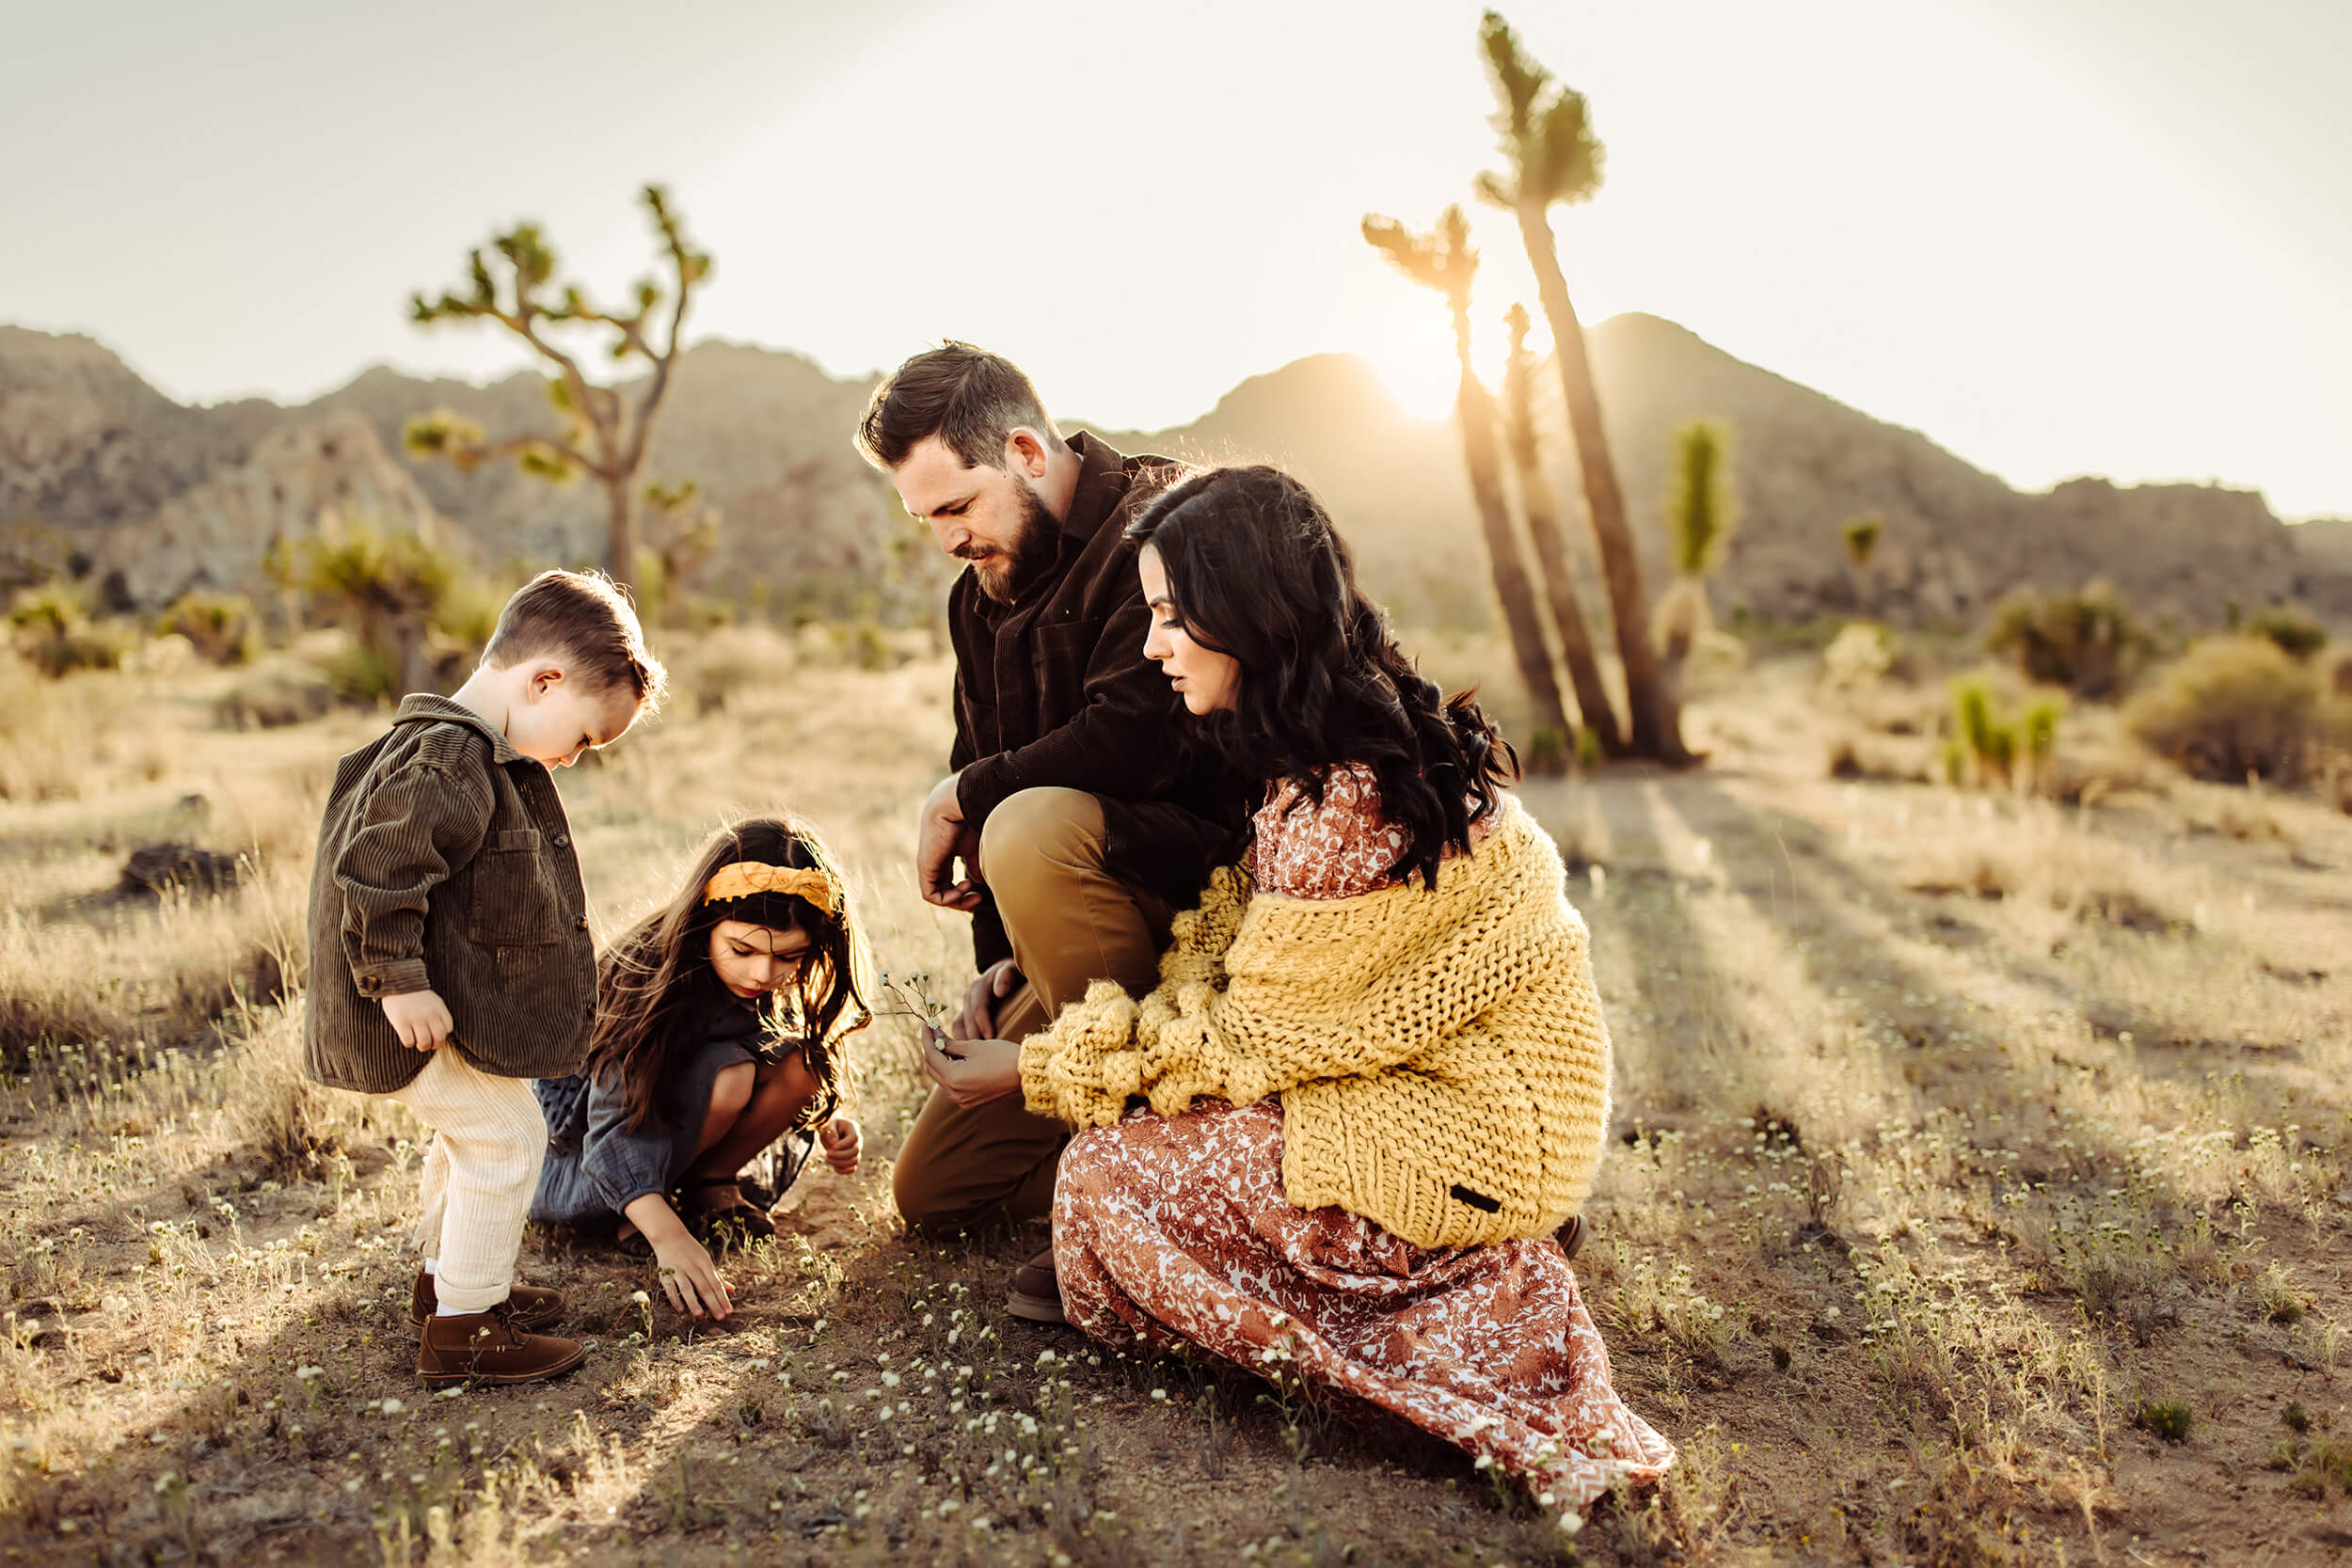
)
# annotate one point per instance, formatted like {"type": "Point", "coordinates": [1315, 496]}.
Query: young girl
{"type": "Point", "coordinates": [722, 1026]}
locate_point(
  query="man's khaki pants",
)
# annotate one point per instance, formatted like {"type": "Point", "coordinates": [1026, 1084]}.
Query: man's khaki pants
{"type": "Point", "coordinates": [1071, 922]}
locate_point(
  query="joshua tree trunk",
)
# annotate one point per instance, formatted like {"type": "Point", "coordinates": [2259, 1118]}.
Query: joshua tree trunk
{"type": "Point", "coordinates": [1551, 550]}
{"type": "Point", "coordinates": [1653, 733]}
{"type": "Point", "coordinates": [1474, 409]}
{"type": "Point", "coordinates": [621, 532]}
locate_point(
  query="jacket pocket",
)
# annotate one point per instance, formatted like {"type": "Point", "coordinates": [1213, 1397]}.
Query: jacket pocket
{"type": "Point", "coordinates": [513, 902]}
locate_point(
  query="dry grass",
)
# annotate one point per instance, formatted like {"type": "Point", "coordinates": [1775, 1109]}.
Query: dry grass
{"type": "Point", "coordinates": [1938, 1214]}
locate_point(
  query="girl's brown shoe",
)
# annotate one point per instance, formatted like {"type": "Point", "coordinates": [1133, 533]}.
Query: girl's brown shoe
{"type": "Point", "coordinates": [489, 1347]}
{"type": "Point", "coordinates": [534, 1309]}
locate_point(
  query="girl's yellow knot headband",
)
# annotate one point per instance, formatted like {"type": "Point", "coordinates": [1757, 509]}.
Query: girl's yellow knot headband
{"type": "Point", "coordinates": [745, 877]}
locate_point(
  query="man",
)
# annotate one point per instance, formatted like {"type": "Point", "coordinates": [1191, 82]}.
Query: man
{"type": "Point", "coordinates": [1079, 825]}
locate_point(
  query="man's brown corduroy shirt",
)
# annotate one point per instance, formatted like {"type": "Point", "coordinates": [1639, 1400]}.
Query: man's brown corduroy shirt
{"type": "Point", "coordinates": [1053, 689]}
{"type": "Point", "coordinates": [446, 863]}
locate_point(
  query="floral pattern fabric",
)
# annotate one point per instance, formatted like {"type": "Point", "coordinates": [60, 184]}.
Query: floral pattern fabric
{"type": "Point", "coordinates": [1339, 849]}
{"type": "Point", "coordinates": [1174, 1230]}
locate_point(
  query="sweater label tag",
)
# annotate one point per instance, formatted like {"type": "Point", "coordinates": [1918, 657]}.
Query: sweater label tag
{"type": "Point", "coordinates": [1477, 1200]}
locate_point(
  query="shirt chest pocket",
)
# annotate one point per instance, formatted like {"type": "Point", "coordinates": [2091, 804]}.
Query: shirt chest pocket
{"type": "Point", "coordinates": [513, 899]}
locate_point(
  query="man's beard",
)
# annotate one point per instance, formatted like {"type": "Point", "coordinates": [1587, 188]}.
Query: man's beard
{"type": "Point", "coordinates": [1004, 574]}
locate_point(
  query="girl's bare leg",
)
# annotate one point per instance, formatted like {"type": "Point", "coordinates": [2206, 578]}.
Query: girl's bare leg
{"type": "Point", "coordinates": [778, 1094]}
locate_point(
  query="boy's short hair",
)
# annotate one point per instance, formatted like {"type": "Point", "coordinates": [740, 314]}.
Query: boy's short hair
{"type": "Point", "coordinates": [969, 398]}
{"type": "Point", "coordinates": [585, 619]}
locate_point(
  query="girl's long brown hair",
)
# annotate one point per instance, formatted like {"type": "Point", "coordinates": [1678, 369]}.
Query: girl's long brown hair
{"type": "Point", "coordinates": [642, 978]}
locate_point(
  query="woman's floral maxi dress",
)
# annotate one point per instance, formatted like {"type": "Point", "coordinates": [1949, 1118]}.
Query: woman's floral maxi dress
{"type": "Point", "coordinates": [1174, 1230]}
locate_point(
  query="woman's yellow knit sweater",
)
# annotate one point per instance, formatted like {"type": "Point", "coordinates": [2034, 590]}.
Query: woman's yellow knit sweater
{"type": "Point", "coordinates": [1441, 1057]}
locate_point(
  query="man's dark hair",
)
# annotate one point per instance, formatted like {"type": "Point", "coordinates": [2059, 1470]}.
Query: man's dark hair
{"type": "Point", "coordinates": [969, 398]}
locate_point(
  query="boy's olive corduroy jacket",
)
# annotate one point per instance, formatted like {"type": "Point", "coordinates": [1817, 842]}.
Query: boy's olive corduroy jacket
{"type": "Point", "coordinates": [445, 862]}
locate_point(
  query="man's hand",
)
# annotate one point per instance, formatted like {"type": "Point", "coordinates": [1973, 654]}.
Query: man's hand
{"type": "Point", "coordinates": [940, 841]}
{"type": "Point", "coordinates": [842, 1141]}
{"type": "Point", "coordinates": [978, 1020]}
{"type": "Point", "coordinates": [419, 1017]}
{"type": "Point", "coordinates": [972, 1071]}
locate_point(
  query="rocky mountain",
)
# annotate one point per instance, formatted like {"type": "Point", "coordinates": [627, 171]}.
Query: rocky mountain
{"type": "Point", "coordinates": [149, 496]}
{"type": "Point", "coordinates": [1955, 539]}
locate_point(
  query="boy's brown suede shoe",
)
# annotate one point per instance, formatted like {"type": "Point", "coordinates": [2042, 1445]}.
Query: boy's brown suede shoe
{"type": "Point", "coordinates": [488, 1347]}
{"type": "Point", "coordinates": [534, 1309]}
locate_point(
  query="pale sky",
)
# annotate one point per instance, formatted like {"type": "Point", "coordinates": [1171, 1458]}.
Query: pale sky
{"type": "Point", "coordinates": [2059, 236]}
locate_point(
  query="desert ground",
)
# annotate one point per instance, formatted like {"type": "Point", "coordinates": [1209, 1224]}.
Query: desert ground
{"type": "Point", "coordinates": [1978, 1190]}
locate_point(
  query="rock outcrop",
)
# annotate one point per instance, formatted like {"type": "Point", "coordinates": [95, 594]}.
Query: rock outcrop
{"type": "Point", "coordinates": [215, 533]}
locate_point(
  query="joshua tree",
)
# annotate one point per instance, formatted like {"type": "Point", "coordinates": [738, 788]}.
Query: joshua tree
{"type": "Point", "coordinates": [682, 542]}
{"type": "Point", "coordinates": [1551, 156]}
{"type": "Point", "coordinates": [1443, 260]}
{"type": "Point", "coordinates": [1551, 548]}
{"type": "Point", "coordinates": [1701, 512]}
{"type": "Point", "coordinates": [1862, 534]}
{"type": "Point", "coordinates": [387, 586]}
{"type": "Point", "coordinates": [606, 434]}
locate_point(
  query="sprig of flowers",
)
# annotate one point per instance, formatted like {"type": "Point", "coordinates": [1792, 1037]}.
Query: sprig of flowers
{"type": "Point", "coordinates": [910, 996]}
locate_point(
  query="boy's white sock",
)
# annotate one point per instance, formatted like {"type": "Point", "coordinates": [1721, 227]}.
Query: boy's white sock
{"type": "Point", "coordinates": [442, 1310]}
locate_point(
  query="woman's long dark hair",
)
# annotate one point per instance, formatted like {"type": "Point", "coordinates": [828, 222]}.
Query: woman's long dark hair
{"type": "Point", "coordinates": [1256, 570]}
{"type": "Point", "coordinates": [649, 978]}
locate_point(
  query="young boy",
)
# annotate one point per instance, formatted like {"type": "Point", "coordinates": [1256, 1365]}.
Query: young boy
{"type": "Point", "coordinates": [451, 959]}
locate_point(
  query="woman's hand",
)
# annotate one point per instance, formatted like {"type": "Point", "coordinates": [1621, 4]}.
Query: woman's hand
{"type": "Point", "coordinates": [972, 1071]}
{"type": "Point", "coordinates": [687, 1276]}
{"type": "Point", "coordinates": [842, 1142]}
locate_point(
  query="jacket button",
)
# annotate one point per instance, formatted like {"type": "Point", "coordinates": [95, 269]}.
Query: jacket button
{"type": "Point", "coordinates": [581, 924]}
{"type": "Point", "coordinates": [563, 841]}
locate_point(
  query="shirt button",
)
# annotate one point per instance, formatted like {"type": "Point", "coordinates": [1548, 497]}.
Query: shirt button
{"type": "Point", "coordinates": [563, 841]}
{"type": "Point", "coordinates": [581, 924]}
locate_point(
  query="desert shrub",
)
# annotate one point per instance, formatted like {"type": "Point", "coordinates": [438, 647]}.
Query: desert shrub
{"type": "Point", "coordinates": [359, 673]}
{"type": "Point", "coordinates": [2237, 708]}
{"type": "Point", "coordinates": [1861, 652]}
{"type": "Point", "coordinates": [1988, 744]}
{"type": "Point", "coordinates": [2297, 635]}
{"type": "Point", "coordinates": [2086, 642]}
{"type": "Point", "coordinates": [221, 627]}
{"type": "Point", "coordinates": [2166, 1418]}
{"type": "Point", "coordinates": [1547, 752]}
{"type": "Point", "coordinates": [52, 628]}
{"type": "Point", "coordinates": [272, 699]}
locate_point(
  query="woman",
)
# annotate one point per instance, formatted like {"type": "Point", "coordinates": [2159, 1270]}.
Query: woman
{"type": "Point", "coordinates": [1376, 1069]}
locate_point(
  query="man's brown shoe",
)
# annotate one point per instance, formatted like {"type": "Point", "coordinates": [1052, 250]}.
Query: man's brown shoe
{"type": "Point", "coordinates": [488, 1347]}
{"type": "Point", "coordinates": [534, 1309]}
{"type": "Point", "coordinates": [1036, 1294]}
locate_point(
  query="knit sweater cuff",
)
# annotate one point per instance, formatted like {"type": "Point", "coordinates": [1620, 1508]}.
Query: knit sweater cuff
{"type": "Point", "coordinates": [1071, 1071]}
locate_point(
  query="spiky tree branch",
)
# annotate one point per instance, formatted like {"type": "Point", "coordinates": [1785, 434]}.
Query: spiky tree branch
{"type": "Point", "coordinates": [606, 435]}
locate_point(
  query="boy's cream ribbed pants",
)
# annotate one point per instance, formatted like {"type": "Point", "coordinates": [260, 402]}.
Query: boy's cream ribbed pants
{"type": "Point", "coordinates": [490, 1141]}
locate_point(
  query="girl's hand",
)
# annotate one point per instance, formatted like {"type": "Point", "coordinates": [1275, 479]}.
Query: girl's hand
{"type": "Point", "coordinates": [842, 1142]}
{"type": "Point", "coordinates": [689, 1278]}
